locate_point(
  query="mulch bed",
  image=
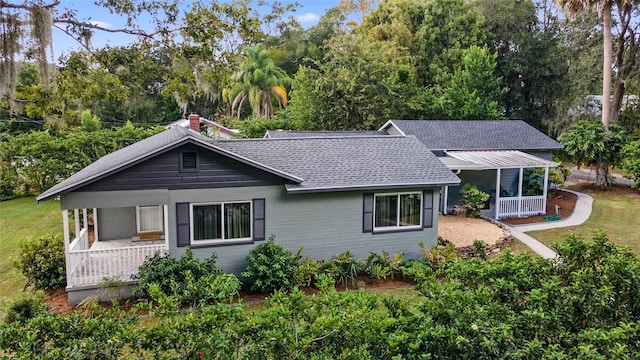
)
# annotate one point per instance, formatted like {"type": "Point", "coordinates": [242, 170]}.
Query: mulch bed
{"type": "Point", "coordinates": [564, 199]}
{"type": "Point", "coordinates": [614, 189]}
{"type": "Point", "coordinates": [57, 299]}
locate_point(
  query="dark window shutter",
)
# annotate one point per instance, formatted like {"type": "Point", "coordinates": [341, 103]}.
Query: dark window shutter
{"type": "Point", "coordinates": [367, 218]}
{"type": "Point", "coordinates": [427, 212]}
{"type": "Point", "coordinates": [183, 225]}
{"type": "Point", "coordinates": [258, 219]}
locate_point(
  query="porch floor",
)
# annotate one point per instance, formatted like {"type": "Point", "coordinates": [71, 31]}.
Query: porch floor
{"type": "Point", "coordinates": [120, 243]}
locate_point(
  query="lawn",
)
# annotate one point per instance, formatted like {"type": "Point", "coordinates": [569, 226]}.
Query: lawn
{"type": "Point", "coordinates": [614, 212]}
{"type": "Point", "coordinates": [21, 218]}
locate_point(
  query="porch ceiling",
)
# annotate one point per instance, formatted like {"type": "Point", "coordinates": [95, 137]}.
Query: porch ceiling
{"type": "Point", "coordinates": [484, 160]}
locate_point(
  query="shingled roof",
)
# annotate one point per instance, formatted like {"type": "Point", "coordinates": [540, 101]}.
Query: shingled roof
{"type": "Point", "coordinates": [343, 163]}
{"type": "Point", "coordinates": [311, 164]}
{"type": "Point", "coordinates": [277, 134]}
{"type": "Point", "coordinates": [475, 134]}
{"type": "Point", "coordinates": [143, 150]}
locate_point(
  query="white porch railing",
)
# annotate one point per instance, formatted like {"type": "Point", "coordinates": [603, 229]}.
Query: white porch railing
{"type": "Point", "coordinates": [519, 207]}
{"type": "Point", "coordinates": [90, 267]}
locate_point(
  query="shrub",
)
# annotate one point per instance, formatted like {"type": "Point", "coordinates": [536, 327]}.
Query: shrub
{"type": "Point", "coordinates": [24, 307]}
{"type": "Point", "coordinates": [271, 268]}
{"type": "Point", "coordinates": [42, 261]}
{"type": "Point", "coordinates": [479, 249]}
{"type": "Point", "coordinates": [210, 288]}
{"type": "Point", "coordinates": [440, 256]}
{"type": "Point", "coordinates": [344, 267]}
{"type": "Point", "coordinates": [381, 266]}
{"type": "Point", "coordinates": [307, 270]}
{"type": "Point", "coordinates": [473, 200]}
{"type": "Point", "coordinates": [171, 275]}
{"type": "Point", "coordinates": [631, 151]}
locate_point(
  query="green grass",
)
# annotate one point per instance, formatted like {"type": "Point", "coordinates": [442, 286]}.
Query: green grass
{"type": "Point", "coordinates": [517, 247]}
{"type": "Point", "coordinates": [19, 219]}
{"type": "Point", "coordinates": [617, 215]}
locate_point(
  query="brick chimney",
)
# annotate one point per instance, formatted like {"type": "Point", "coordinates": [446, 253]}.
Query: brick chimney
{"type": "Point", "coordinates": [194, 122]}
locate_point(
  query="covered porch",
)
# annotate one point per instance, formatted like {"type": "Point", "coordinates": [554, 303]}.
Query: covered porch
{"type": "Point", "coordinates": [520, 180]}
{"type": "Point", "coordinates": [90, 259]}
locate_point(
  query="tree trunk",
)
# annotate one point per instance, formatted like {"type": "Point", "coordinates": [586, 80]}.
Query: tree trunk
{"type": "Point", "coordinates": [606, 65]}
{"type": "Point", "coordinates": [602, 174]}
{"type": "Point", "coordinates": [616, 102]}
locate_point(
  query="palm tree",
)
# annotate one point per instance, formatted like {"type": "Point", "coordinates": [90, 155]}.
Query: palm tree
{"type": "Point", "coordinates": [261, 82]}
{"type": "Point", "coordinates": [573, 8]}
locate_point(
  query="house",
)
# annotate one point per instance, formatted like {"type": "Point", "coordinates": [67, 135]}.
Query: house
{"type": "Point", "coordinates": [210, 127]}
{"type": "Point", "coordinates": [179, 188]}
{"type": "Point", "coordinates": [495, 155]}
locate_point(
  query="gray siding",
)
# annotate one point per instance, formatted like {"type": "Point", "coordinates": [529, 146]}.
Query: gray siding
{"type": "Point", "coordinates": [547, 155]}
{"type": "Point", "coordinates": [323, 224]}
{"type": "Point", "coordinates": [116, 223]}
{"type": "Point", "coordinates": [485, 180]}
{"type": "Point", "coordinates": [509, 179]}
{"type": "Point", "coordinates": [112, 199]}
{"type": "Point", "coordinates": [392, 130]}
{"type": "Point", "coordinates": [163, 172]}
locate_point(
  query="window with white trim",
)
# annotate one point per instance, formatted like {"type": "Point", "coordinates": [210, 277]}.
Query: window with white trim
{"type": "Point", "coordinates": [397, 211]}
{"type": "Point", "coordinates": [149, 218]}
{"type": "Point", "coordinates": [220, 222]}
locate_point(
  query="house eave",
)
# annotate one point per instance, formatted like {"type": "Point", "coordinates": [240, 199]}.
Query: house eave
{"type": "Point", "coordinates": [320, 189]}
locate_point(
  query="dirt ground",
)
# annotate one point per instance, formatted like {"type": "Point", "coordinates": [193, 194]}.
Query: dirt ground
{"type": "Point", "coordinates": [462, 231]}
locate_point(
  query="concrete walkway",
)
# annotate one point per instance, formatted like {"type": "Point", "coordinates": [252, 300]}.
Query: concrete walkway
{"type": "Point", "coordinates": [580, 214]}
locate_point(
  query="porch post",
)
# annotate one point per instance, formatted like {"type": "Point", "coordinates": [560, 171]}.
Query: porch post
{"type": "Point", "coordinates": [445, 195]}
{"type": "Point", "coordinates": [166, 226]}
{"type": "Point", "coordinates": [76, 218]}
{"type": "Point", "coordinates": [95, 224]}
{"type": "Point", "coordinates": [498, 193]}
{"type": "Point", "coordinates": [65, 231]}
{"type": "Point", "coordinates": [520, 192]}
{"type": "Point", "coordinates": [544, 192]}
{"type": "Point", "coordinates": [85, 222]}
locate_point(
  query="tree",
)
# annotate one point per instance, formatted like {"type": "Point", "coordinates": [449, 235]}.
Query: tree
{"type": "Point", "coordinates": [631, 152]}
{"type": "Point", "coordinates": [433, 33]}
{"type": "Point", "coordinates": [359, 85]}
{"type": "Point", "coordinates": [203, 40]}
{"type": "Point", "coordinates": [627, 51]}
{"type": "Point", "coordinates": [588, 143]}
{"type": "Point", "coordinates": [260, 81]}
{"type": "Point", "coordinates": [532, 60]}
{"type": "Point", "coordinates": [474, 90]}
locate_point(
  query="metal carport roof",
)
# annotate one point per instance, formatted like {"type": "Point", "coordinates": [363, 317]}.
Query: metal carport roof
{"type": "Point", "coordinates": [500, 159]}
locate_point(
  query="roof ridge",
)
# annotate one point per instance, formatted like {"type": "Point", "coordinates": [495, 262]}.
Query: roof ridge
{"type": "Point", "coordinates": [381, 136]}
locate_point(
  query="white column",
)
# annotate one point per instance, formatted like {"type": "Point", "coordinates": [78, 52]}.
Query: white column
{"type": "Point", "coordinates": [76, 218]}
{"type": "Point", "coordinates": [498, 193]}
{"type": "Point", "coordinates": [95, 224]}
{"type": "Point", "coordinates": [544, 192]}
{"type": "Point", "coordinates": [85, 221]}
{"type": "Point", "coordinates": [166, 225]}
{"type": "Point", "coordinates": [65, 230]}
{"type": "Point", "coordinates": [520, 192]}
{"type": "Point", "coordinates": [445, 195]}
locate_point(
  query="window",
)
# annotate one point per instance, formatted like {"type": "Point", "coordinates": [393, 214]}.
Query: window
{"type": "Point", "coordinates": [219, 222]}
{"type": "Point", "coordinates": [149, 218]}
{"type": "Point", "coordinates": [397, 211]}
{"type": "Point", "coordinates": [189, 161]}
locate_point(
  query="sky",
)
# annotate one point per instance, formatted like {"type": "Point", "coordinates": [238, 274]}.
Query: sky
{"type": "Point", "coordinates": [307, 14]}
